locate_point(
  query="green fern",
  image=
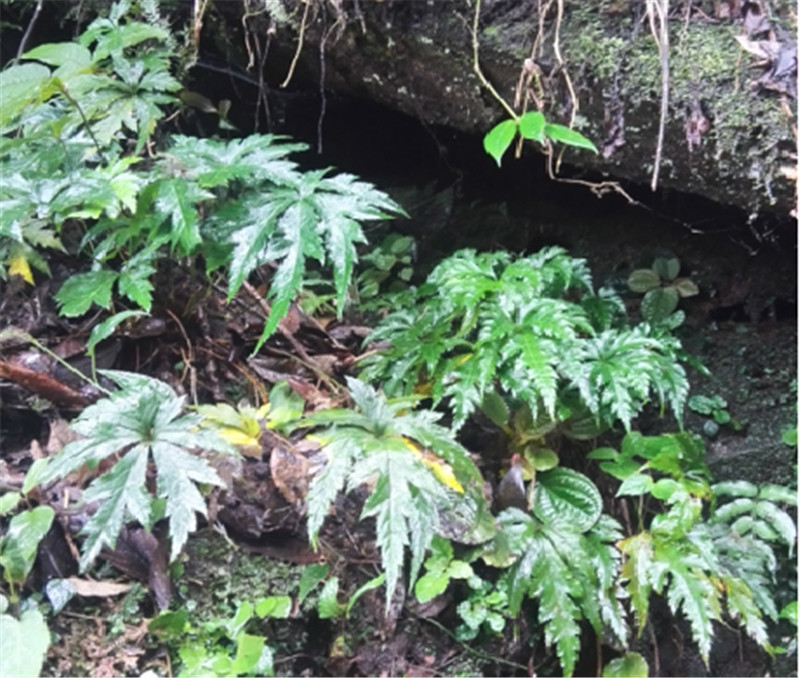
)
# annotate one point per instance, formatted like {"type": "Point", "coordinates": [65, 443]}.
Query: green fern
{"type": "Point", "coordinates": [533, 329]}
{"type": "Point", "coordinates": [704, 566]}
{"type": "Point", "coordinates": [142, 421]}
{"type": "Point", "coordinates": [407, 458]}
{"type": "Point", "coordinates": [564, 559]}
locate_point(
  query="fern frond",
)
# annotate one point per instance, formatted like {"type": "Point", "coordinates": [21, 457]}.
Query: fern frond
{"type": "Point", "coordinates": [693, 593]}
{"type": "Point", "coordinates": [254, 158]}
{"type": "Point", "coordinates": [330, 480]}
{"type": "Point", "coordinates": [741, 605]}
{"type": "Point", "coordinates": [399, 450]}
{"type": "Point", "coordinates": [123, 496]}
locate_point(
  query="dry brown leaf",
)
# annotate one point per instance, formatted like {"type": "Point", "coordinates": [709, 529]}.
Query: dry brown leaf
{"type": "Point", "coordinates": [290, 472]}
{"type": "Point", "coordinates": [60, 435]}
{"type": "Point", "coordinates": [89, 588]}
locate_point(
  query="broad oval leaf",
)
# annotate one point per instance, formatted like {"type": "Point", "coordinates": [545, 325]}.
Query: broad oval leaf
{"type": "Point", "coordinates": [635, 485]}
{"type": "Point", "coordinates": [667, 267]}
{"type": "Point", "coordinates": [69, 56]}
{"type": "Point", "coordinates": [568, 136]}
{"type": "Point", "coordinates": [686, 287]}
{"type": "Point", "coordinates": [25, 642]}
{"type": "Point", "coordinates": [566, 497]}
{"type": "Point", "coordinates": [495, 408]}
{"type": "Point", "coordinates": [20, 85]}
{"type": "Point", "coordinates": [659, 303]}
{"type": "Point", "coordinates": [499, 138]}
{"type": "Point", "coordinates": [531, 126]}
{"type": "Point", "coordinates": [541, 458]}
{"type": "Point", "coordinates": [643, 280]}
{"type": "Point", "coordinates": [21, 542]}
{"type": "Point", "coordinates": [630, 665]}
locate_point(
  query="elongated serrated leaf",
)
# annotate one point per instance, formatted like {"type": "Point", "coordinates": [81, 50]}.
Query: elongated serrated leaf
{"type": "Point", "coordinates": [696, 596]}
{"type": "Point", "coordinates": [734, 488]}
{"type": "Point", "coordinates": [123, 496]}
{"type": "Point", "coordinates": [779, 520]}
{"type": "Point", "coordinates": [740, 604]}
{"type": "Point", "coordinates": [342, 234]}
{"type": "Point", "coordinates": [778, 493]}
{"type": "Point", "coordinates": [638, 551]}
{"type": "Point", "coordinates": [329, 481]}
{"type": "Point", "coordinates": [178, 473]}
{"type": "Point", "coordinates": [107, 327]}
{"type": "Point", "coordinates": [499, 138]}
{"type": "Point", "coordinates": [178, 199]}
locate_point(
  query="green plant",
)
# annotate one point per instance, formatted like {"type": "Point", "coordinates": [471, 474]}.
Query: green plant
{"type": "Point", "coordinates": [410, 462]}
{"type": "Point", "coordinates": [662, 288]}
{"type": "Point", "coordinates": [531, 125]}
{"type": "Point", "coordinates": [526, 436]}
{"type": "Point", "coordinates": [440, 568]}
{"type": "Point", "coordinates": [715, 407]}
{"type": "Point", "coordinates": [20, 543]}
{"type": "Point", "coordinates": [532, 329]}
{"type": "Point", "coordinates": [23, 641]}
{"type": "Point", "coordinates": [389, 265]}
{"type": "Point", "coordinates": [244, 426]}
{"type": "Point", "coordinates": [562, 554]}
{"type": "Point", "coordinates": [63, 131]}
{"type": "Point", "coordinates": [630, 665]}
{"type": "Point", "coordinates": [328, 605]}
{"type": "Point", "coordinates": [237, 204]}
{"type": "Point", "coordinates": [221, 647]}
{"type": "Point", "coordinates": [698, 560]}
{"type": "Point", "coordinates": [142, 420]}
{"type": "Point", "coordinates": [485, 608]}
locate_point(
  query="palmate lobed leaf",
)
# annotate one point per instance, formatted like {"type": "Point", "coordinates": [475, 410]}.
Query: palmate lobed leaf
{"type": "Point", "coordinates": [382, 445]}
{"type": "Point", "coordinates": [487, 319]}
{"type": "Point", "coordinates": [554, 566]}
{"type": "Point", "coordinates": [143, 418]}
{"type": "Point", "coordinates": [402, 504]}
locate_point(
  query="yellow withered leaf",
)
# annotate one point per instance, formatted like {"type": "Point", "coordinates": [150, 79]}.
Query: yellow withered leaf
{"type": "Point", "coordinates": [247, 444]}
{"type": "Point", "coordinates": [18, 265]}
{"type": "Point", "coordinates": [441, 469]}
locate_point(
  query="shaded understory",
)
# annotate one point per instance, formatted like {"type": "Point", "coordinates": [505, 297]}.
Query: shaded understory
{"type": "Point", "coordinates": [742, 326]}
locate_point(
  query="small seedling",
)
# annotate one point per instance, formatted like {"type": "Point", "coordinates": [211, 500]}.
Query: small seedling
{"type": "Point", "coordinates": [715, 407]}
{"type": "Point", "coordinates": [662, 289]}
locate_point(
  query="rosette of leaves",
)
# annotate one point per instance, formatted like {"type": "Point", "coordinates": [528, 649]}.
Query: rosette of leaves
{"type": "Point", "coordinates": [410, 462]}
{"type": "Point", "coordinates": [533, 330]}
{"type": "Point", "coordinates": [139, 425]}
{"type": "Point", "coordinates": [562, 555]}
{"type": "Point", "coordinates": [662, 289]}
